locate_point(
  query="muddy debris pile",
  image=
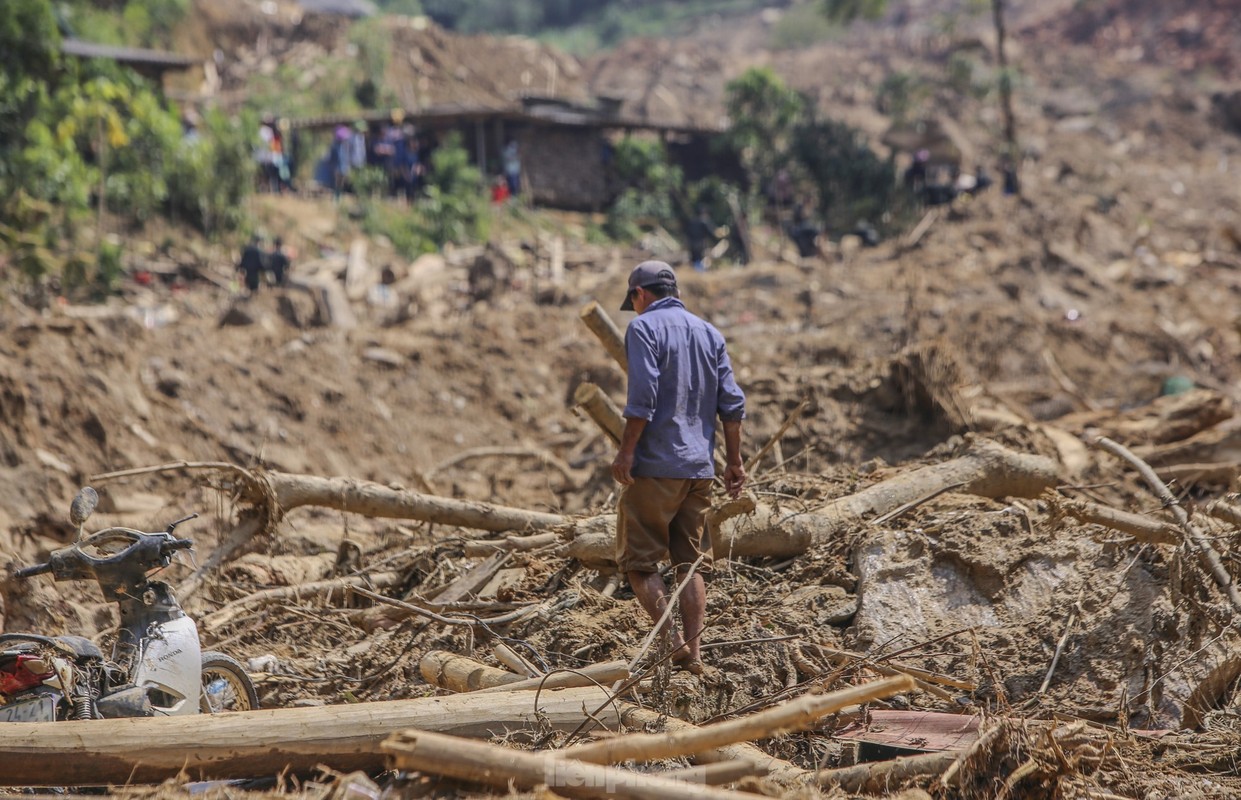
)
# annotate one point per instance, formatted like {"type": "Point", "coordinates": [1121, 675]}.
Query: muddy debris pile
{"type": "Point", "coordinates": [1015, 604]}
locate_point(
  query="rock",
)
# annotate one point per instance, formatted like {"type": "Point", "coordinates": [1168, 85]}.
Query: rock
{"type": "Point", "coordinates": [830, 605]}
{"type": "Point", "coordinates": [236, 315]}
{"type": "Point", "coordinates": [384, 357]}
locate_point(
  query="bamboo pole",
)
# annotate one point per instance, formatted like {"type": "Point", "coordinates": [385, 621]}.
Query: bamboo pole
{"type": "Point", "coordinates": [792, 715]}
{"type": "Point", "coordinates": [504, 768]}
{"type": "Point", "coordinates": [605, 330]}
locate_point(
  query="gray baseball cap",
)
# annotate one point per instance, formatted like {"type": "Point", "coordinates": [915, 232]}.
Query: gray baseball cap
{"type": "Point", "coordinates": [648, 273]}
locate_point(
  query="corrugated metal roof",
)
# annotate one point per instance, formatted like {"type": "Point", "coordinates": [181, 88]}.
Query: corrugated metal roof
{"type": "Point", "coordinates": [127, 55]}
{"type": "Point", "coordinates": [545, 115]}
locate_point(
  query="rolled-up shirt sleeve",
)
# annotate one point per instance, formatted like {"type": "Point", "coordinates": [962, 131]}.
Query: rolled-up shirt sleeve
{"type": "Point", "coordinates": [731, 400]}
{"type": "Point", "coordinates": [643, 373]}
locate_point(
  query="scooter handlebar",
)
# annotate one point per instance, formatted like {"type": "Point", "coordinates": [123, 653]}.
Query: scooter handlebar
{"type": "Point", "coordinates": [30, 572]}
{"type": "Point", "coordinates": [177, 544]}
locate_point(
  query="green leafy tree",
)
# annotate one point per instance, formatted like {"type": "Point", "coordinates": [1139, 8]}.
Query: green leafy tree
{"type": "Point", "coordinates": [650, 187]}
{"type": "Point", "coordinates": [852, 182]}
{"type": "Point", "coordinates": [763, 113]}
{"type": "Point", "coordinates": [210, 175]}
{"type": "Point", "coordinates": [29, 40]}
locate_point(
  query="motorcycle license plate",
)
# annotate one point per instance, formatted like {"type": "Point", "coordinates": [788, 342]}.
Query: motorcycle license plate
{"type": "Point", "coordinates": [33, 709]}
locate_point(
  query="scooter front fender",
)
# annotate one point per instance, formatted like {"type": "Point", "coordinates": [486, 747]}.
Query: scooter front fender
{"type": "Point", "coordinates": [170, 667]}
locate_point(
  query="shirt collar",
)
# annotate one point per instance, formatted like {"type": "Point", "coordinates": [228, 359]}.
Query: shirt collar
{"type": "Point", "coordinates": [665, 302]}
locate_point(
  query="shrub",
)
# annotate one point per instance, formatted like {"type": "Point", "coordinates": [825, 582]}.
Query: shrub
{"type": "Point", "coordinates": [649, 185]}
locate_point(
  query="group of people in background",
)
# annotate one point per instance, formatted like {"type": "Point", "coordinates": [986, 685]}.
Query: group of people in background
{"type": "Point", "coordinates": [256, 262]}
{"type": "Point", "coordinates": [274, 156]}
{"type": "Point", "coordinates": [396, 147]}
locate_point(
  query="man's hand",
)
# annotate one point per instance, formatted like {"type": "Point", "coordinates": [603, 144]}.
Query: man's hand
{"type": "Point", "coordinates": [734, 479]}
{"type": "Point", "coordinates": [621, 468]}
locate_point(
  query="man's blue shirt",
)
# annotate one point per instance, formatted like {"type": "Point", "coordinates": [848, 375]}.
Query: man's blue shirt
{"type": "Point", "coordinates": [680, 380]}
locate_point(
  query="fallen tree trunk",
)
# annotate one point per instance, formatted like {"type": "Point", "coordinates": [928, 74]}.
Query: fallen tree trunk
{"type": "Point", "coordinates": [374, 500]}
{"type": "Point", "coordinates": [987, 469]}
{"type": "Point", "coordinates": [600, 408]}
{"type": "Point", "coordinates": [593, 675]}
{"type": "Point", "coordinates": [503, 768]}
{"type": "Point", "coordinates": [269, 742]}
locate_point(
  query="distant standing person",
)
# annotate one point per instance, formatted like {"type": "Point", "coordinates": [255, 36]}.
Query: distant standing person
{"type": "Point", "coordinates": [512, 167]}
{"type": "Point", "coordinates": [699, 233]}
{"type": "Point", "coordinates": [278, 263]}
{"type": "Point", "coordinates": [680, 381]}
{"type": "Point", "coordinates": [251, 266]}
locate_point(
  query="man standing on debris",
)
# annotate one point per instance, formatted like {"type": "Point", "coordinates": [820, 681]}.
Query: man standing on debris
{"type": "Point", "coordinates": [680, 380]}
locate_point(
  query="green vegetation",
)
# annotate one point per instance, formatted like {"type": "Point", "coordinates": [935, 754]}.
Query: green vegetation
{"type": "Point", "coordinates": [453, 210]}
{"type": "Point", "coordinates": [81, 138]}
{"type": "Point", "coordinates": [650, 185]}
{"type": "Point", "coordinates": [132, 23]}
{"type": "Point", "coordinates": [775, 129]}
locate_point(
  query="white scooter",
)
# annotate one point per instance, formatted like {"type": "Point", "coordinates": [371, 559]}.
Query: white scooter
{"type": "Point", "coordinates": [157, 666]}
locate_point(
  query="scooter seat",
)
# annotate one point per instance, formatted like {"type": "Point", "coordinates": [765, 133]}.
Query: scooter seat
{"type": "Point", "coordinates": [80, 646]}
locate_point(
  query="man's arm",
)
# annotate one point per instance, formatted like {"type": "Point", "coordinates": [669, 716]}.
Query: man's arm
{"type": "Point", "coordinates": [622, 465]}
{"type": "Point", "coordinates": [734, 468]}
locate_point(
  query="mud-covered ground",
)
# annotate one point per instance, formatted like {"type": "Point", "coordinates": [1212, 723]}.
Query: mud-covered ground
{"type": "Point", "coordinates": [1117, 270]}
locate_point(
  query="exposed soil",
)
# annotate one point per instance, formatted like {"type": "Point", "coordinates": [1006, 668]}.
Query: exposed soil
{"type": "Point", "coordinates": [1119, 268]}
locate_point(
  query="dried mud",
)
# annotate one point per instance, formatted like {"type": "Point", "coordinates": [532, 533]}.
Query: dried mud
{"type": "Point", "coordinates": [1113, 272]}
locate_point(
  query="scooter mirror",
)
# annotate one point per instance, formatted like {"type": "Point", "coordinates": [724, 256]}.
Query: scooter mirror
{"type": "Point", "coordinates": [83, 506]}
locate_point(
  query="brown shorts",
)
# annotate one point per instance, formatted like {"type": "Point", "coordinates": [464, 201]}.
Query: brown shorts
{"type": "Point", "coordinates": [658, 518]}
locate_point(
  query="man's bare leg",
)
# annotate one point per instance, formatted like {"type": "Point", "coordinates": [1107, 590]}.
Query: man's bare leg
{"type": "Point", "coordinates": [693, 613]}
{"type": "Point", "coordinates": [653, 594]}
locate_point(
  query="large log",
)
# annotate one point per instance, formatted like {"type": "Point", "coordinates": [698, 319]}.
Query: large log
{"type": "Point", "coordinates": [374, 500]}
{"type": "Point", "coordinates": [269, 742]}
{"type": "Point", "coordinates": [504, 767]}
{"type": "Point", "coordinates": [986, 469]}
